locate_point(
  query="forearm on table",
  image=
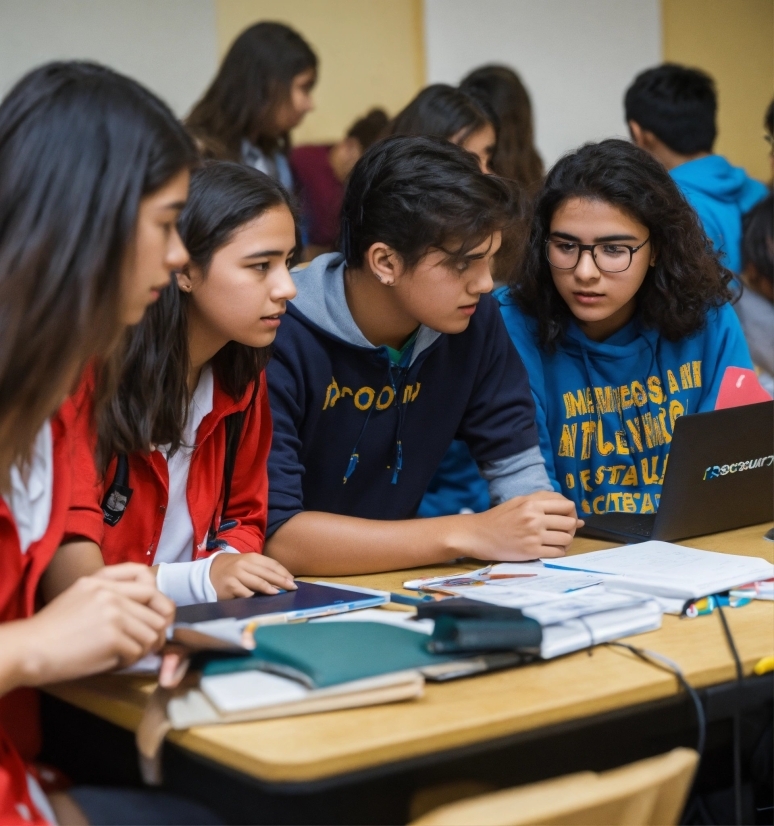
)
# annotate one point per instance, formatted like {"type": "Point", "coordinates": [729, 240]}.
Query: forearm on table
{"type": "Point", "coordinates": [71, 561]}
{"type": "Point", "coordinates": [313, 543]}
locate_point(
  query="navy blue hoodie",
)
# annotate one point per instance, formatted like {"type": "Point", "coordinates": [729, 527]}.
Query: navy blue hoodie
{"type": "Point", "coordinates": [358, 436]}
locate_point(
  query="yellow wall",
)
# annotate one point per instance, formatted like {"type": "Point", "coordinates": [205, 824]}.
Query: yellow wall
{"type": "Point", "coordinates": [371, 53]}
{"type": "Point", "coordinates": [733, 40]}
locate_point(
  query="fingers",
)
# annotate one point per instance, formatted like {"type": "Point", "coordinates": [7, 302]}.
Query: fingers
{"type": "Point", "coordinates": [268, 569]}
{"type": "Point", "coordinates": [551, 552]}
{"type": "Point", "coordinates": [173, 668]}
{"type": "Point", "coordinates": [565, 524]}
{"type": "Point", "coordinates": [558, 504]}
{"type": "Point", "coordinates": [235, 589]}
{"type": "Point", "coordinates": [126, 571]}
{"type": "Point", "coordinates": [559, 539]}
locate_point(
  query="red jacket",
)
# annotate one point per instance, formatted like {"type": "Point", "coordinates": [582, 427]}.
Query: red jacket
{"type": "Point", "coordinates": [21, 574]}
{"type": "Point", "coordinates": [135, 536]}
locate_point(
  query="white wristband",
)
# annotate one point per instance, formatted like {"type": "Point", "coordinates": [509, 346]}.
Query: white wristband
{"type": "Point", "coordinates": [188, 583]}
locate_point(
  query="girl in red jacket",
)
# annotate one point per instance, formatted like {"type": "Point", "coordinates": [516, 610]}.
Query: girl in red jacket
{"type": "Point", "coordinates": [182, 446]}
{"type": "Point", "coordinates": [93, 175]}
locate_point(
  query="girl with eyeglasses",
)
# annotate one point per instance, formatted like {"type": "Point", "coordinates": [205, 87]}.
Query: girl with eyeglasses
{"type": "Point", "coordinates": [621, 315]}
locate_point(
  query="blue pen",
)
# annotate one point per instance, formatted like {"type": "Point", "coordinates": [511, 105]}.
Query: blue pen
{"type": "Point", "coordinates": [400, 599]}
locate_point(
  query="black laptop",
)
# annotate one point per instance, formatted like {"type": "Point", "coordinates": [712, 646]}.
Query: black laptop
{"type": "Point", "coordinates": [720, 476]}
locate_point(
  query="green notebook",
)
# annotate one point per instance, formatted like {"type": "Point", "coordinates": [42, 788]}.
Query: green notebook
{"type": "Point", "coordinates": [325, 654]}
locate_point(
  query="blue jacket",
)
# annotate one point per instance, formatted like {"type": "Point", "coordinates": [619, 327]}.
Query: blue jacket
{"type": "Point", "coordinates": [357, 436]}
{"type": "Point", "coordinates": [721, 194]}
{"type": "Point", "coordinates": [606, 410]}
{"type": "Point", "coordinates": [457, 485]}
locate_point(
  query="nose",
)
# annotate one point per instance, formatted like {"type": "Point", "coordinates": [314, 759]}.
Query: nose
{"type": "Point", "coordinates": [283, 288]}
{"type": "Point", "coordinates": [483, 282]}
{"type": "Point", "coordinates": [177, 255]}
{"type": "Point", "coordinates": [586, 268]}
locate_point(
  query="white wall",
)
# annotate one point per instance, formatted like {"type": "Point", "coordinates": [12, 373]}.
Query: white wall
{"type": "Point", "coordinates": [576, 57]}
{"type": "Point", "coordinates": [168, 45]}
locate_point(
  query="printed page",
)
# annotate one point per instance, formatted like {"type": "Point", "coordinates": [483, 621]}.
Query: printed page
{"type": "Point", "coordinates": [669, 569]}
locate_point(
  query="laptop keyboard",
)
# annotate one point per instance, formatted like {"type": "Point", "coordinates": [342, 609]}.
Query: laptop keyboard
{"type": "Point", "coordinates": [631, 523]}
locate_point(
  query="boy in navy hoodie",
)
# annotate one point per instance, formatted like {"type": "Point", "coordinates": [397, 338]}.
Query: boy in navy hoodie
{"type": "Point", "coordinates": [671, 111]}
{"type": "Point", "coordinates": [390, 351]}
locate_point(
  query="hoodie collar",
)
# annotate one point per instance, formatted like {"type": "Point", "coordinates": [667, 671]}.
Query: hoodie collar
{"type": "Point", "coordinates": [322, 300]}
{"type": "Point", "coordinates": [630, 338]}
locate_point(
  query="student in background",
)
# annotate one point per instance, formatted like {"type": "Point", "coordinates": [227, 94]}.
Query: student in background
{"type": "Point", "coordinates": [441, 111]}
{"type": "Point", "coordinates": [391, 350]}
{"type": "Point", "coordinates": [320, 170]}
{"type": "Point", "coordinates": [515, 156]}
{"type": "Point", "coordinates": [262, 91]}
{"type": "Point", "coordinates": [621, 315]}
{"type": "Point", "coordinates": [446, 112]}
{"type": "Point", "coordinates": [188, 431]}
{"type": "Point", "coordinates": [755, 307]}
{"type": "Point", "coordinates": [671, 113]}
{"type": "Point", "coordinates": [93, 174]}
{"type": "Point", "coordinates": [768, 123]}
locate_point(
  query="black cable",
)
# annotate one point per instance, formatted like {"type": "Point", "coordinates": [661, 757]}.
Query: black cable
{"type": "Point", "coordinates": [660, 661]}
{"type": "Point", "coordinates": [736, 719]}
{"type": "Point", "coordinates": [731, 644]}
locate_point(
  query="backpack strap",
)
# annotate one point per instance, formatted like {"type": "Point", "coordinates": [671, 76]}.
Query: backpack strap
{"type": "Point", "coordinates": [119, 493]}
{"type": "Point", "coordinates": [234, 423]}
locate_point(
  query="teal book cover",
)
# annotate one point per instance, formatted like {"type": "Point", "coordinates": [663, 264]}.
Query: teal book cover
{"type": "Point", "coordinates": [330, 653]}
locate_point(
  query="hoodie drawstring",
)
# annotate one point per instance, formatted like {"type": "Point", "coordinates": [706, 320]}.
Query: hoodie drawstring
{"type": "Point", "coordinates": [397, 389]}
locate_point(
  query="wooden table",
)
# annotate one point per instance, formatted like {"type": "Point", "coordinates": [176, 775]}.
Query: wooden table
{"type": "Point", "coordinates": [300, 750]}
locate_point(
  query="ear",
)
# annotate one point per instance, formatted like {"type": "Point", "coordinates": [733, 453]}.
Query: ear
{"type": "Point", "coordinates": [636, 131]}
{"type": "Point", "coordinates": [384, 263]}
{"type": "Point", "coordinates": [183, 277]}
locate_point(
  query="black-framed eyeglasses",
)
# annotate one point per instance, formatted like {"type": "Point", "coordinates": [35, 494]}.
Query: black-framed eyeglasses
{"type": "Point", "coordinates": [609, 257]}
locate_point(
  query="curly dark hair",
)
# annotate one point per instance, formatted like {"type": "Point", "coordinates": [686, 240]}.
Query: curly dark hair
{"type": "Point", "coordinates": [687, 278]}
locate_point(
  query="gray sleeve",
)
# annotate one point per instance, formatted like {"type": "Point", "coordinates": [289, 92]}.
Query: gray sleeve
{"type": "Point", "coordinates": [516, 475]}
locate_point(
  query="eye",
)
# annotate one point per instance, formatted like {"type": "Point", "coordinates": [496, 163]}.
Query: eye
{"type": "Point", "coordinates": [614, 249]}
{"type": "Point", "coordinates": [262, 266]}
{"type": "Point", "coordinates": [565, 246]}
{"type": "Point", "coordinates": [462, 266]}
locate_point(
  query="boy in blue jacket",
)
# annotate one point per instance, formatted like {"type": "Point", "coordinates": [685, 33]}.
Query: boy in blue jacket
{"type": "Point", "coordinates": [671, 112]}
{"type": "Point", "coordinates": [390, 351]}
{"type": "Point", "coordinates": [621, 316]}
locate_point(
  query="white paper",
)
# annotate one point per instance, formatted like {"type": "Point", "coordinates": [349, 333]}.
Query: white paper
{"type": "Point", "coordinates": [669, 570]}
{"type": "Point", "coordinates": [403, 619]}
{"type": "Point", "coordinates": [593, 629]}
{"type": "Point", "coordinates": [242, 690]}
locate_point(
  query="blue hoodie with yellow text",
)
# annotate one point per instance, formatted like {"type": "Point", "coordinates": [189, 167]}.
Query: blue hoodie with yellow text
{"type": "Point", "coordinates": [606, 410]}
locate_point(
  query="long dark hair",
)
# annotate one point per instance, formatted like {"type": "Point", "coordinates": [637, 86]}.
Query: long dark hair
{"type": "Point", "coordinates": [253, 80]}
{"type": "Point", "coordinates": [515, 156]}
{"type": "Point", "coordinates": [417, 194]}
{"type": "Point", "coordinates": [80, 145]}
{"type": "Point", "coordinates": [151, 405]}
{"type": "Point", "coordinates": [687, 278]}
{"type": "Point", "coordinates": [441, 111]}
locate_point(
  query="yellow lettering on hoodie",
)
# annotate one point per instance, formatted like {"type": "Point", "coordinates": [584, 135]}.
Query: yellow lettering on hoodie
{"type": "Point", "coordinates": [364, 398]}
{"type": "Point", "coordinates": [605, 448]}
{"type": "Point", "coordinates": [630, 477]}
{"type": "Point", "coordinates": [575, 405]}
{"type": "Point", "coordinates": [634, 430]}
{"type": "Point", "coordinates": [588, 429]}
{"type": "Point", "coordinates": [567, 441]}
{"type": "Point", "coordinates": [655, 391]}
{"type": "Point", "coordinates": [332, 394]}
